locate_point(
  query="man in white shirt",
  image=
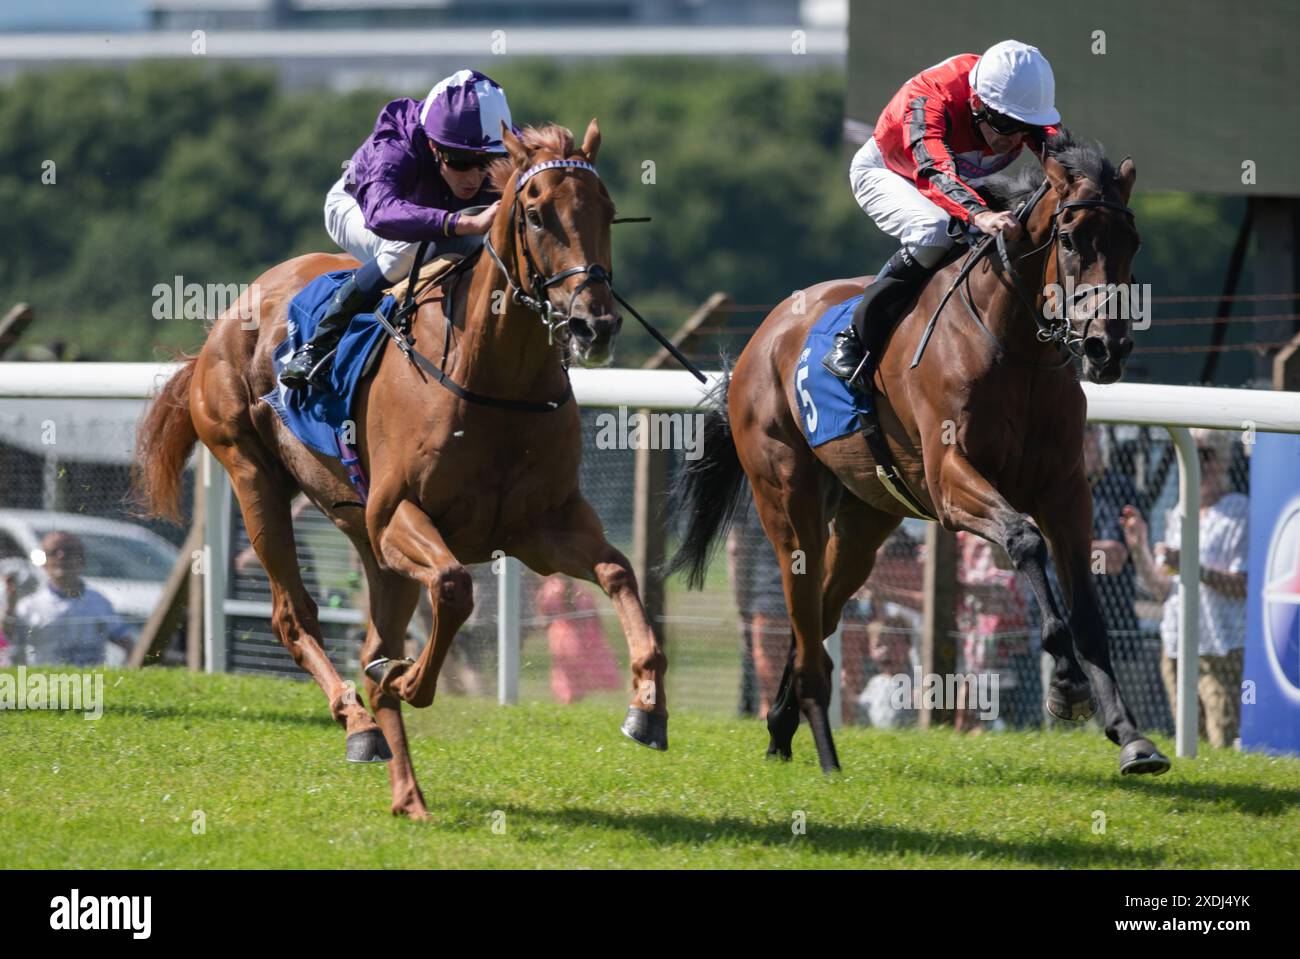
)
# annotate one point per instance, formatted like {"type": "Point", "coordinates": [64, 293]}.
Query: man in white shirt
{"type": "Point", "coordinates": [64, 622]}
{"type": "Point", "coordinates": [1224, 544]}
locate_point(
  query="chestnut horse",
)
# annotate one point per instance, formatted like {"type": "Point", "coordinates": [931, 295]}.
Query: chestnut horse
{"type": "Point", "coordinates": [986, 432]}
{"type": "Point", "coordinates": [454, 477]}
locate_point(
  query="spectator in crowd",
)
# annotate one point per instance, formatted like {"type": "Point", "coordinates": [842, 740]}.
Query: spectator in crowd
{"type": "Point", "coordinates": [855, 651]}
{"type": "Point", "coordinates": [760, 602]}
{"type": "Point", "coordinates": [994, 622]}
{"type": "Point", "coordinates": [581, 661]}
{"type": "Point", "coordinates": [1223, 545]}
{"type": "Point", "coordinates": [883, 703]}
{"type": "Point", "coordinates": [893, 591]}
{"type": "Point", "coordinates": [64, 622]}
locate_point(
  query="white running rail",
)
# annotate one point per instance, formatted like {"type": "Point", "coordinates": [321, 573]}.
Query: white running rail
{"type": "Point", "coordinates": [1176, 408]}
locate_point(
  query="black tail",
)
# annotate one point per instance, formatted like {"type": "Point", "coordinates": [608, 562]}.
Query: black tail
{"type": "Point", "coordinates": [709, 490]}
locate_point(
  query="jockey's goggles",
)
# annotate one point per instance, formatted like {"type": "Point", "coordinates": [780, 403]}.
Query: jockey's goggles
{"type": "Point", "coordinates": [463, 162]}
{"type": "Point", "coordinates": [1002, 124]}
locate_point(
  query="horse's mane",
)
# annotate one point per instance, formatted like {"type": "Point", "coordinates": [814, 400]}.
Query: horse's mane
{"type": "Point", "coordinates": [550, 137]}
{"type": "Point", "coordinates": [1082, 157]}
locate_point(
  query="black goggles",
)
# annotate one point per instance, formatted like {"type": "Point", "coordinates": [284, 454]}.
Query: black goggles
{"type": "Point", "coordinates": [1003, 124]}
{"type": "Point", "coordinates": [463, 162]}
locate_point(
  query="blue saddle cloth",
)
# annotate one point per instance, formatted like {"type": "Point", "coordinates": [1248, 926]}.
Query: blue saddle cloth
{"type": "Point", "coordinates": [829, 408]}
{"type": "Point", "coordinates": [317, 418]}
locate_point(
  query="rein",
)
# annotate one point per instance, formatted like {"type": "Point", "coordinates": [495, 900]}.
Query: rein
{"type": "Point", "coordinates": [1060, 333]}
{"type": "Point", "coordinates": [400, 329]}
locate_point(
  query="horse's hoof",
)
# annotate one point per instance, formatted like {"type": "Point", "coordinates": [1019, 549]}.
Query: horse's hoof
{"type": "Point", "coordinates": [1141, 757]}
{"type": "Point", "coordinates": [648, 729]}
{"type": "Point", "coordinates": [379, 669]}
{"type": "Point", "coordinates": [820, 724]}
{"type": "Point", "coordinates": [1067, 709]}
{"type": "Point", "coordinates": [777, 750]}
{"type": "Point", "coordinates": [368, 746]}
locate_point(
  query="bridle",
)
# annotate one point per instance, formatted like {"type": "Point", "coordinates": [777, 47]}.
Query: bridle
{"type": "Point", "coordinates": [1059, 332]}
{"type": "Point", "coordinates": [538, 300]}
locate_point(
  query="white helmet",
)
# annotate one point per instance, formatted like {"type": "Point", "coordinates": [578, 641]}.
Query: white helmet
{"type": "Point", "coordinates": [1015, 79]}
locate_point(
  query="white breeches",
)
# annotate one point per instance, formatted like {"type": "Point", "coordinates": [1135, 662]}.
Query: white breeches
{"type": "Point", "coordinates": [897, 206]}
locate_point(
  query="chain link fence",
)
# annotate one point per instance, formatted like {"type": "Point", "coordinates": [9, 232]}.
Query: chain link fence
{"type": "Point", "coordinates": [65, 467]}
{"type": "Point", "coordinates": [65, 477]}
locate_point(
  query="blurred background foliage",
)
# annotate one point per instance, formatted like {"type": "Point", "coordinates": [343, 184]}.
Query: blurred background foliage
{"type": "Point", "coordinates": [216, 173]}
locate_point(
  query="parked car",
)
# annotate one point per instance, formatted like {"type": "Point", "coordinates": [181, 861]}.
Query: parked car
{"type": "Point", "coordinates": [127, 563]}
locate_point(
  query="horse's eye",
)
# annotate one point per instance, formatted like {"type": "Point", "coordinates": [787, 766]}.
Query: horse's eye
{"type": "Point", "coordinates": [534, 218]}
{"type": "Point", "coordinates": [1067, 243]}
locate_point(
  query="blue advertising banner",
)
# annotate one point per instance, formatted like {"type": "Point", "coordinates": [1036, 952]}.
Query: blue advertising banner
{"type": "Point", "coordinates": [1270, 712]}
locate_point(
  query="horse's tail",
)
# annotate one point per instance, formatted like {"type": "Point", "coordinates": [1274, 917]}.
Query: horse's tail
{"type": "Point", "coordinates": [164, 439]}
{"type": "Point", "coordinates": [709, 490]}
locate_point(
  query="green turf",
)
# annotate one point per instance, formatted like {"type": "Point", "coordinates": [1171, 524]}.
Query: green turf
{"type": "Point", "coordinates": [263, 763]}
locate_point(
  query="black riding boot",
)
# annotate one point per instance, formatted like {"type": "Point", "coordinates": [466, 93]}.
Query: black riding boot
{"type": "Point", "coordinates": [311, 364]}
{"type": "Point", "coordinates": [856, 350]}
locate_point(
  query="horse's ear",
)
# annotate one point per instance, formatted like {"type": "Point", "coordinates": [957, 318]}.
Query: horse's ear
{"type": "Point", "coordinates": [591, 141]}
{"type": "Point", "coordinates": [1057, 175]}
{"type": "Point", "coordinates": [514, 146]}
{"type": "Point", "coordinates": [1125, 177]}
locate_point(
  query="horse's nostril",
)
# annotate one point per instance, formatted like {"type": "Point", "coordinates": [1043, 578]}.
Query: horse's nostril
{"type": "Point", "coordinates": [1125, 346]}
{"type": "Point", "coordinates": [1095, 348]}
{"type": "Point", "coordinates": [580, 328]}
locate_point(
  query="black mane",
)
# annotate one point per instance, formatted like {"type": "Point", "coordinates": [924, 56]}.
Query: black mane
{"type": "Point", "coordinates": [1082, 157]}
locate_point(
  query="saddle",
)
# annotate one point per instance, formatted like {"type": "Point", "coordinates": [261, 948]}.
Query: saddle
{"type": "Point", "coordinates": [429, 273]}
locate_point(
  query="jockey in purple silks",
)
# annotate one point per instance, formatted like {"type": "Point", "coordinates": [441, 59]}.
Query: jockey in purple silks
{"type": "Point", "coordinates": [409, 182]}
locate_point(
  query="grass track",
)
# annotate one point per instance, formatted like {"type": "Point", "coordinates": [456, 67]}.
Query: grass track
{"type": "Point", "coordinates": [261, 760]}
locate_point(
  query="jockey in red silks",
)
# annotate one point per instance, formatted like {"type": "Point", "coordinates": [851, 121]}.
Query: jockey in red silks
{"type": "Point", "coordinates": [409, 182]}
{"type": "Point", "coordinates": [946, 129]}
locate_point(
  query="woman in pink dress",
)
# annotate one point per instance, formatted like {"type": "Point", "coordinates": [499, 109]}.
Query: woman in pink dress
{"type": "Point", "coordinates": [581, 661]}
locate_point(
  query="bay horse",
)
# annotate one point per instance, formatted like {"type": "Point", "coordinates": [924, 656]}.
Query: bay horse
{"type": "Point", "coordinates": [487, 466]}
{"type": "Point", "coordinates": [986, 433]}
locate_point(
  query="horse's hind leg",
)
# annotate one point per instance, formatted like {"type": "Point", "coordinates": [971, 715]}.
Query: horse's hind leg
{"type": "Point", "coordinates": [792, 517]}
{"type": "Point", "coordinates": [264, 490]}
{"type": "Point", "coordinates": [856, 533]}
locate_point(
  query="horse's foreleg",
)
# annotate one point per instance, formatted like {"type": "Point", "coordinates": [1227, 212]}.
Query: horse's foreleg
{"type": "Point", "coordinates": [392, 601]}
{"type": "Point", "coordinates": [969, 502]}
{"type": "Point", "coordinates": [411, 545]}
{"type": "Point", "coordinates": [573, 543]}
{"type": "Point", "coordinates": [1067, 522]}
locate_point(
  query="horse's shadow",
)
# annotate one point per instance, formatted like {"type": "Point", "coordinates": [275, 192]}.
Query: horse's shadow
{"type": "Point", "coordinates": [221, 714]}
{"type": "Point", "coordinates": [668, 829]}
{"type": "Point", "coordinates": [1246, 798]}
